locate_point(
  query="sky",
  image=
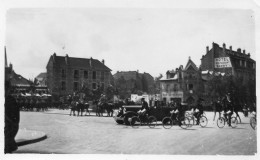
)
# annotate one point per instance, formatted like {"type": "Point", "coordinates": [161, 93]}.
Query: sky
{"type": "Point", "coordinates": [151, 40]}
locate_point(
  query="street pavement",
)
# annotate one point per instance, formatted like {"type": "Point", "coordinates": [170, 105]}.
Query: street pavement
{"type": "Point", "coordinates": [101, 135]}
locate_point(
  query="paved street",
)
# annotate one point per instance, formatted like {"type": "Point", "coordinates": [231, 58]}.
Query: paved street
{"type": "Point", "coordinates": [101, 135]}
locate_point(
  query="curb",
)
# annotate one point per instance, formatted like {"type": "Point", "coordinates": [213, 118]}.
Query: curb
{"type": "Point", "coordinates": [28, 136]}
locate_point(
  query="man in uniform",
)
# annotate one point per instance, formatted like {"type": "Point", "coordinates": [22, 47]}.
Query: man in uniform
{"type": "Point", "coordinates": [12, 119]}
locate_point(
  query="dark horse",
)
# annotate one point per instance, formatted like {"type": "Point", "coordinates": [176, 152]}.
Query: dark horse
{"type": "Point", "coordinates": [102, 107]}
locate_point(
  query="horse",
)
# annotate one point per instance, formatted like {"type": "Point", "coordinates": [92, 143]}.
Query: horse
{"type": "Point", "coordinates": [80, 107]}
{"type": "Point", "coordinates": [73, 107]}
{"type": "Point", "coordinates": [217, 107]}
{"type": "Point", "coordinates": [109, 109]}
{"type": "Point", "coordinates": [86, 107]}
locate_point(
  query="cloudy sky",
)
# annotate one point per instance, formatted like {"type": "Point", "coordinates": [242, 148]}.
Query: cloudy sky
{"type": "Point", "coordinates": [149, 40]}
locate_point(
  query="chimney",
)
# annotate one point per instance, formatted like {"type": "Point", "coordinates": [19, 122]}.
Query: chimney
{"type": "Point", "coordinates": [207, 49]}
{"type": "Point", "coordinates": [103, 61]}
{"type": "Point", "coordinates": [90, 61]}
{"type": "Point", "coordinates": [239, 50]}
{"type": "Point", "coordinates": [67, 59]}
{"type": "Point", "coordinates": [224, 46]}
{"type": "Point", "coordinates": [54, 57]}
{"type": "Point", "coordinates": [248, 55]}
{"type": "Point", "coordinates": [6, 65]}
{"type": "Point", "coordinates": [230, 48]}
{"type": "Point", "coordinates": [11, 66]}
{"type": "Point", "coordinates": [244, 51]}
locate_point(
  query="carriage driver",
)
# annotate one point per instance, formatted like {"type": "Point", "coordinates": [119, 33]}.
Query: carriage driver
{"type": "Point", "coordinates": [144, 108]}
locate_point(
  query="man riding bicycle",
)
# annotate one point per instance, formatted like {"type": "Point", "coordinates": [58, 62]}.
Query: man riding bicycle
{"type": "Point", "coordinates": [198, 110]}
{"type": "Point", "coordinates": [177, 112]}
{"type": "Point", "coordinates": [228, 107]}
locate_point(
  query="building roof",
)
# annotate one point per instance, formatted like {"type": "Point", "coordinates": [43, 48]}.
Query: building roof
{"type": "Point", "coordinates": [42, 75]}
{"type": "Point", "coordinates": [18, 80]}
{"type": "Point", "coordinates": [81, 62]}
{"type": "Point", "coordinates": [189, 64]}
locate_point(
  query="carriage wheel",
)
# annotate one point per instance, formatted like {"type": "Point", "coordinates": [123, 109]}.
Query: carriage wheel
{"type": "Point", "coordinates": [134, 121]}
{"type": "Point", "coordinates": [167, 123]}
{"type": "Point", "coordinates": [234, 122]}
{"type": "Point", "coordinates": [185, 122]}
{"type": "Point", "coordinates": [221, 122]}
{"type": "Point", "coordinates": [203, 121]}
{"type": "Point", "coordinates": [253, 122]}
{"type": "Point", "coordinates": [152, 121]}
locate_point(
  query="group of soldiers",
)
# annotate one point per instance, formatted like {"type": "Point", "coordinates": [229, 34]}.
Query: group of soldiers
{"type": "Point", "coordinates": [33, 103]}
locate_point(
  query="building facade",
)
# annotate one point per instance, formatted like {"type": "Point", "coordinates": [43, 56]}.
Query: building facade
{"type": "Point", "coordinates": [66, 75]}
{"type": "Point", "coordinates": [219, 64]}
{"type": "Point", "coordinates": [223, 60]}
{"type": "Point", "coordinates": [181, 84]}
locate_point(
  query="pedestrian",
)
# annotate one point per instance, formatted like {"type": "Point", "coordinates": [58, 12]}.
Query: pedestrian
{"type": "Point", "coordinates": [12, 119]}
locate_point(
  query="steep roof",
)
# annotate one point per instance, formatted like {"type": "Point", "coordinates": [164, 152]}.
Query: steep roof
{"type": "Point", "coordinates": [191, 64]}
{"type": "Point", "coordinates": [82, 62]}
{"type": "Point", "coordinates": [18, 80]}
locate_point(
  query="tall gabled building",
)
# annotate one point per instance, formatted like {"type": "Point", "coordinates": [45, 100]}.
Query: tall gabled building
{"type": "Point", "coordinates": [181, 84]}
{"type": "Point", "coordinates": [66, 75]}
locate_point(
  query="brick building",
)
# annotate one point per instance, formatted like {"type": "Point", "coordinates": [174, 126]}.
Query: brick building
{"type": "Point", "coordinates": [134, 79]}
{"type": "Point", "coordinates": [66, 75]}
{"type": "Point", "coordinates": [223, 60]}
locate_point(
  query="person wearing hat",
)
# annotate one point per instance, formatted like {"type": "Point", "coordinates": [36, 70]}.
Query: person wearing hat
{"type": "Point", "coordinates": [144, 108]}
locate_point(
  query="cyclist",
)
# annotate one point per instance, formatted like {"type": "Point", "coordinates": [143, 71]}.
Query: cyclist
{"type": "Point", "coordinates": [178, 112]}
{"type": "Point", "coordinates": [198, 110]}
{"type": "Point", "coordinates": [228, 107]}
{"type": "Point", "coordinates": [144, 108]}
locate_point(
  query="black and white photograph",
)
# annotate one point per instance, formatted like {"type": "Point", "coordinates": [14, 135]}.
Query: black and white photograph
{"type": "Point", "coordinates": [134, 79]}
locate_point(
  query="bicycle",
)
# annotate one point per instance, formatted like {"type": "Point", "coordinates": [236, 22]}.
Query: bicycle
{"type": "Point", "coordinates": [224, 119]}
{"type": "Point", "coordinates": [169, 121]}
{"type": "Point", "coordinates": [203, 121]}
{"type": "Point", "coordinates": [139, 120]}
{"type": "Point", "coordinates": [253, 121]}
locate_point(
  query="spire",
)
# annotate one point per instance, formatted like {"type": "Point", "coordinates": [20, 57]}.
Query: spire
{"type": "Point", "coordinates": [6, 65]}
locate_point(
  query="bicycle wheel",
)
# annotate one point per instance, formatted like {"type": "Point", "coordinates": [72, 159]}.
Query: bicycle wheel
{"type": "Point", "coordinates": [185, 123]}
{"type": "Point", "coordinates": [192, 121]}
{"type": "Point", "coordinates": [253, 122]}
{"type": "Point", "coordinates": [234, 122]}
{"type": "Point", "coordinates": [221, 122]}
{"type": "Point", "coordinates": [152, 121]}
{"type": "Point", "coordinates": [203, 121]}
{"type": "Point", "coordinates": [167, 122]}
{"type": "Point", "coordinates": [134, 121]}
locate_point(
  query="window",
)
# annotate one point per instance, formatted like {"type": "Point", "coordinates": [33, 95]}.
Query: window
{"type": "Point", "coordinates": [190, 86]}
{"type": "Point", "coordinates": [63, 86]}
{"type": "Point", "coordinates": [63, 73]}
{"type": "Point", "coordinates": [76, 74]}
{"type": "Point", "coordinates": [94, 75]}
{"type": "Point", "coordinates": [76, 86]}
{"type": "Point", "coordinates": [94, 86]}
{"type": "Point", "coordinates": [86, 74]}
{"type": "Point", "coordinates": [102, 76]}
